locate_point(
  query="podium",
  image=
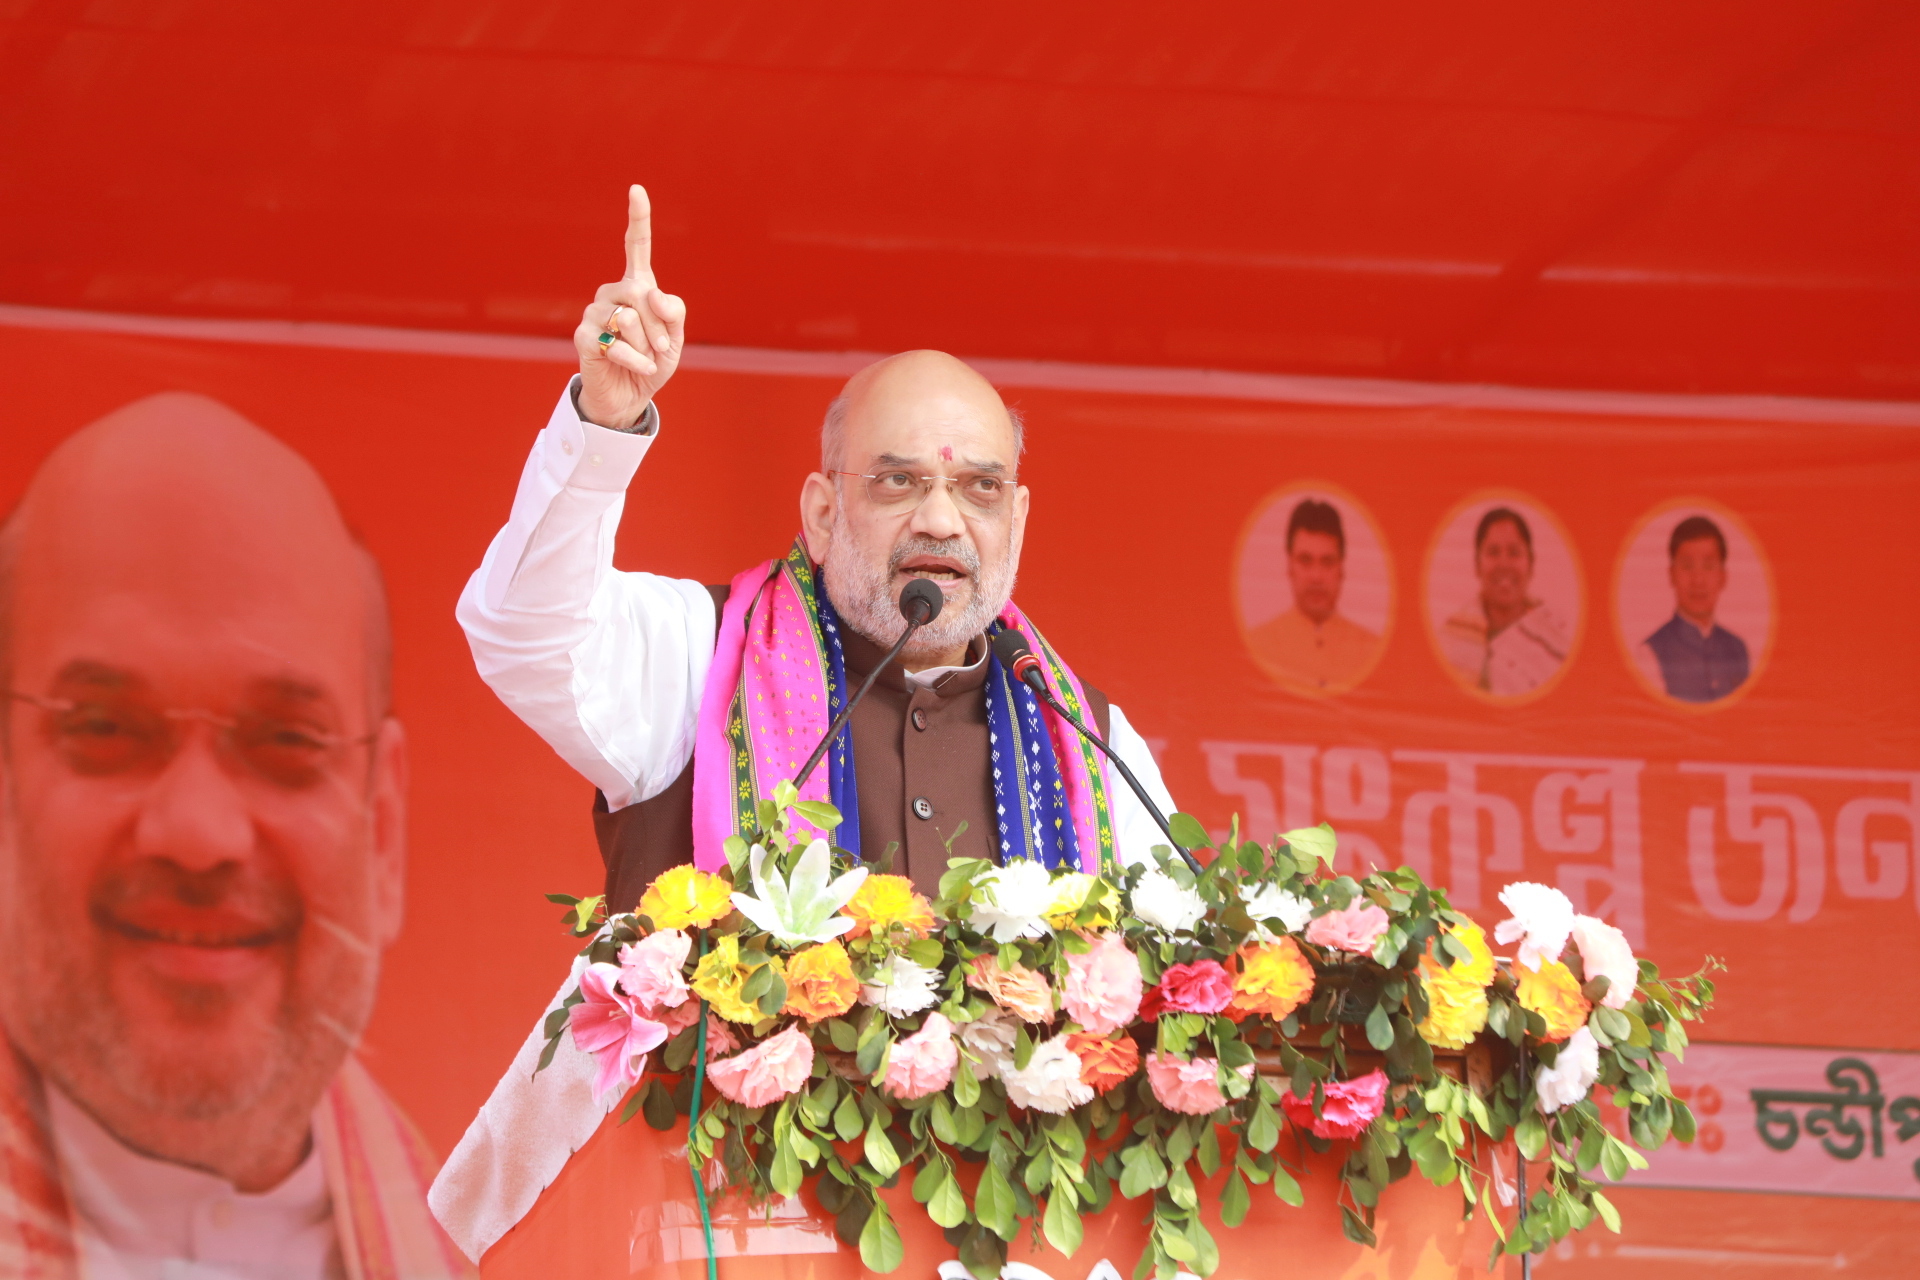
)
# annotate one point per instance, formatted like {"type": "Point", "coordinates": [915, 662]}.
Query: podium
{"type": "Point", "coordinates": [624, 1206]}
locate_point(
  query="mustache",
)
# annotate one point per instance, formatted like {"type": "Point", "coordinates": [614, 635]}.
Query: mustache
{"type": "Point", "coordinates": [919, 544]}
{"type": "Point", "coordinates": [157, 899]}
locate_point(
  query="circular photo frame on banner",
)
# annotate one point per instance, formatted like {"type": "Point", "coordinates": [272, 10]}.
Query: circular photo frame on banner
{"type": "Point", "coordinates": [1694, 605]}
{"type": "Point", "coordinates": [1504, 597]}
{"type": "Point", "coordinates": [1313, 589]}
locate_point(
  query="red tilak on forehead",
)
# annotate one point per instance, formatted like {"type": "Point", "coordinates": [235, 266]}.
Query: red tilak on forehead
{"type": "Point", "coordinates": [946, 452]}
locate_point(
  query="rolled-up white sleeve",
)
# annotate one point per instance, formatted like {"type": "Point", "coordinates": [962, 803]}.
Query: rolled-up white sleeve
{"type": "Point", "coordinates": [1134, 830]}
{"type": "Point", "coordinates": [606, 666]}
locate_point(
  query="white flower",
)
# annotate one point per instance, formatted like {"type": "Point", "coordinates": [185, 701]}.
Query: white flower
{"type": "Point", "coordinates": [1271, 902]}
{"type": "Point", "coordinates": [1604, 953]}
{"type": "Point", "coordinates": [1572, 1073]}
{"type": "Point", "coordinates": [900, 987]}
{"type": "Point", "coordinates": [1051, 1081]}
{"type": "Point", "coordinates": [1542, 918]}
{"type": "Point", "coordinates": [990, 1038]}
{"type": "Point", "coordinates": [803, 907]}
{"type": "Point", "coordinates": [1011, 901]}
{"type": "Point", "coordinates": [1160, 901]}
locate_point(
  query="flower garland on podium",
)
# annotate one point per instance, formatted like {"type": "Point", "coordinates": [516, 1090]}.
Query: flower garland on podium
{"type": "Point", "coordinates": [1084, 1036]}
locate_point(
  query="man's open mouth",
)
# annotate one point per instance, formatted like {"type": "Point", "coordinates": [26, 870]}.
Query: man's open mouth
{"type": "Point", "coordinates": [934, 569]}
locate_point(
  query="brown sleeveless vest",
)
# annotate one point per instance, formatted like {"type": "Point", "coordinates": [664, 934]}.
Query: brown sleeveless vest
{"type": "Point", "coordinates": [926, 792]}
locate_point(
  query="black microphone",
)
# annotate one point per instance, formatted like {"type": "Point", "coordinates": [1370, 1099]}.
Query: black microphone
{"type": "Point", "coordinates": [920, 603]}
{"type": "Point", "coordinates": [1018, 657]}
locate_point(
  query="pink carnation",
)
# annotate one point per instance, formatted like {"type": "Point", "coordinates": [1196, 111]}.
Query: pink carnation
{"type": "Point", "coordinates": [1605, 953]}
{"type": "Point", "coordinates": [1356, 929]}
{"type": "Point", "coordinates": [1103, 986]}
{"type": "Point", "coordinates": [924, 1062]}
{"type": "Point", "coordinates": [1201, 987]}
{"type": "Point", "coordinates": [1192, 1088]}
{"type": "Point", "coordinates": [606, 1024]}
{"type": "Point", "coordinates": [651, 970]}
{"type": "Point", "coordinates": [767, 1072]}
{"type": "Point", "coordinates": [1351, 1105]}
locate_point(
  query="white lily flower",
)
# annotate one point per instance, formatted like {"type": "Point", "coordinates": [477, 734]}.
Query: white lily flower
{"type": "Point", "coordinates": [803, 907]}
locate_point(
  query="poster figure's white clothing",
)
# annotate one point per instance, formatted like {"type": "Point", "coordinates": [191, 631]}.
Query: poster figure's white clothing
{"type": "Point", "coordinates": [139, 1218]}
{"type": "Point", "coordinates": [1516, 659]}
{"type": "Point", "coordinates": [609, 666]}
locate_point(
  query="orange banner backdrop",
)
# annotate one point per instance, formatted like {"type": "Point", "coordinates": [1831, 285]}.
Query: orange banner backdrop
{"type": "Point", "coordinates": [1761, 805]}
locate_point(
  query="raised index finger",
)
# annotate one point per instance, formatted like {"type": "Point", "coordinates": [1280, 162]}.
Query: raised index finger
{"type": "Point", "coordinates": [639, 233]}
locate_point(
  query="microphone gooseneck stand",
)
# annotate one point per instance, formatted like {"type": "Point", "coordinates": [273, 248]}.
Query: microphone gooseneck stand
{"type": "Point", "coordinates": [920, 603]}
{"type": "Point", "coordinates": [1017, 655]}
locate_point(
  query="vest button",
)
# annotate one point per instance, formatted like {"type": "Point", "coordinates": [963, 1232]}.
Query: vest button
{"type": "Point", "coordinates": [919, 718]}
{"type": "Point", "coordinates": [922, 807]}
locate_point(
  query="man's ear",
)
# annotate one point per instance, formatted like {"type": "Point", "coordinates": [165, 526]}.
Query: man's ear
{"type": "Point", "coordinates": [1017, 533]}
{"type": "Point", "coordinates": [819, 500]}
{"type": "Point", "coordinates": [388, 803]}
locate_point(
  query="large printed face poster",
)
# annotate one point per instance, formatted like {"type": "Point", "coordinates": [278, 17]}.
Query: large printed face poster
{"type": "Point", "coordinates": [272, 854]}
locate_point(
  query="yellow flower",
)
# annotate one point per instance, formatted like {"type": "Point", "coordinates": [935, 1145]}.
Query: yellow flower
{"type": "Point", "coordinates": [884, 903]}
{"type": "Point", "coordinates": [719, 978]}
{"type": "Point", "coordinates": [1456, 1010]}
{"type": "Point", "coordinates": [682, 897]}
{"type": "Point", "coordinates": [1069, 895]}
{"type": "Point", "coordinates": [820, 983]}
{"type": "Point", "coordinates": [1554, 994]}
{"type": "Point", "coordinates": [1274, 979]}
{"type": "Point", "coordinates": [1457, 992]}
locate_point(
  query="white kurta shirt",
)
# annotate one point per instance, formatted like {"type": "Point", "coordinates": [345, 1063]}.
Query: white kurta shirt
{"type": "Point", "coordinates": [139, 1218]}
{"type": "Point", "coordinates": [609, 666]}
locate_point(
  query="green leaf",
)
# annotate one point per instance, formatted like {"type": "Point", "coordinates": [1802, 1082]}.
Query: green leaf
{"type": "Point", "coordinates": [785, 1174]}
{"type": "Point", "coordinates": [845, 1038]}
{"type": "Point", "coordinates": [1318, 842]}
{"type": "Point", "coordinates": [881, 1156]}
{"type": "Point", "coordinates": [1188, 833]}
{"type": "Point", "coordinates": [993, 1202]}
{"type": "Point", "coordinates": [847, 1123]}
{"type": "Point", "coordinates": [1356, 1229]}
{"type": "Point", "coordinates": [819, 813]}
{"type": "Point", "coordinates": [1181, 1189]}
{"type": "Point", "coordinates": [941, 1120]}
{"type": "Point", "coordinates": [658, 1106]}
{"type": "Point", "coordinates": [966, 1085]}
{"type": "Point", "coordinates": [1286, 1188]}
{"type": "Point", "coordinates": [948, 1207]}
{"type": "Point", "coordinates": [928, 1180]}
{"type": "Point", "coordinates": [1263, 1128]}
{"type": "Point", "coordinates": [1207, 1154]}
{"type": "Point", "coordinates": [880, 1247]}
{"type": "Point", "coordinates": [546, 1054]}
{"type": "Point", "coordinates": [1608, 1214]}
{"type": "Point", "coordinates": [1235, 1200]}
{"type": "Point", "coordinates": [1062, 1221]}
{"type": "Point", "coordinates": [1531, 1135]}
{"type": "Point", "coordinates": [1380, 1028]}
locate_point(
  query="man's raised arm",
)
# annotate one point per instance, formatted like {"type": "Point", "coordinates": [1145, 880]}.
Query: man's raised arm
{"type": "Point", "coordinates": [606, 666]}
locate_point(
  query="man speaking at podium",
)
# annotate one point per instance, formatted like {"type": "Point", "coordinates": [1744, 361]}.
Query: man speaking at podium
{"type": "Point", "coordinates": [682, 703]}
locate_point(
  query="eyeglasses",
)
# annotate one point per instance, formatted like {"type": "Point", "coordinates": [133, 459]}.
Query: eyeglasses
{"type": "Point", "coordinates": [109, 736]}
{"type": "Point", "coordinates": [981, 492]}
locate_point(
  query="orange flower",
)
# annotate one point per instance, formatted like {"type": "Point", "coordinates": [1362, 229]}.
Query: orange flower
{"type": "Point", "coordinates": [1104, 1063]}
{"type": "Point", "coordinates": [820, 983]}
{"type": "Point", "coordinates": [682, 897]}
{"type": "Point", "coordinates": [1018, 990]}
{"type": "Point", "coordinates": [1274, 979]}
{"type": "Point", "coordinates": [888, 902]}
{"type": "Point", "coordinates": [1553, 993]}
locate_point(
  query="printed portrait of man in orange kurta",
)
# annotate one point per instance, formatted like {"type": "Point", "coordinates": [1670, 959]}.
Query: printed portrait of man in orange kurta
{"type": "Point", "coordinates": [202, 854]}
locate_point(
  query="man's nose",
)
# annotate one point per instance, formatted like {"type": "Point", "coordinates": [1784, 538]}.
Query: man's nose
{"type": "Point", "coordinates": [938, 516]}
{"type": "Point", "coordinates": [194, 814]}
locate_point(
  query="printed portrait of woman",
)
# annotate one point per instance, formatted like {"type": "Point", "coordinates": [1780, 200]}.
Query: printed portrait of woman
{"type": "Point", "coordinates": [1504, 597]}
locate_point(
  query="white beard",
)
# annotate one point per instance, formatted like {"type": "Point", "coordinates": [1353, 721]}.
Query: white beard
{"type": "Point", "coordinates": [862, 592]}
